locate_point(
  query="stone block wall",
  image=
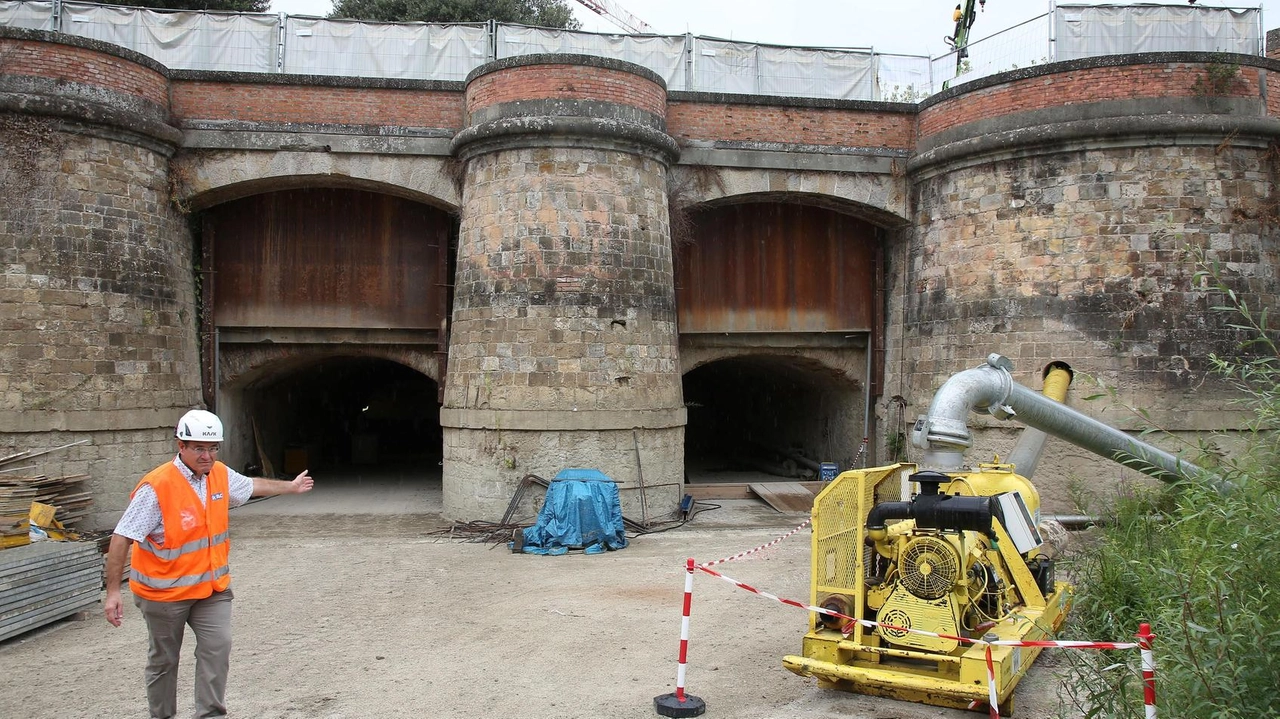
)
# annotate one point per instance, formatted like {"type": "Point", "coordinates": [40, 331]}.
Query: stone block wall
{"type": "Point", "coordinates": [1089, 258]}
{"type": "Point", "coordinates": [97, 299]}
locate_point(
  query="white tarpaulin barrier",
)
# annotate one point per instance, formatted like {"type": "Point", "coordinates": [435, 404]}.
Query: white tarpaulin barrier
{"type": "Point", "coordinates": [902, 78]}
{"type": "Point", "coordinates": [26, 15]}
{"type": "Point", "coordinates": [1093, 30]}
{"type": "Point", "coordinates": [735, 67]}
{"type": "Point", "coordinates": [798, 72]}
{"type": "Point", "coordinates": [249, 42]}
{"type": "Point", "coordinates": [187, 40]}
{"type": "Point", "coordinates": [353, 48]}
{"type": "Point", "coordinates": [662, 54]}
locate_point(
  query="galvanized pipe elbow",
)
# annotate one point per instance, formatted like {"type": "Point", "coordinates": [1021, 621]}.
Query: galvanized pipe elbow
{"type": "Point", "coordinates": [943, 433]}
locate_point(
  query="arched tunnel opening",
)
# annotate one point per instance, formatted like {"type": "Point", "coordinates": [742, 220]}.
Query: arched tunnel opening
{"type": "Point", "coordinates": [345, 418]}
{"type": "Point", "coordinates": [763, 418]}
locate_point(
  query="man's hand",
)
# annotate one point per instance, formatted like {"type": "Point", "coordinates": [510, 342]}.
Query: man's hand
{"type": "Point", "coordinates": [302, 483]}
{"type": "Point", "coordinates": [117, 554]}
{"type": "Point", "coordinates": [113, 608]}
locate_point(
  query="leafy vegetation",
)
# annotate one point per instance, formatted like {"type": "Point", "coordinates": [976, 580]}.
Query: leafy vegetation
{"type": "Point", "coordinates": [542, 13]}
{"type": "Point", "coordinates": [1201, 565]}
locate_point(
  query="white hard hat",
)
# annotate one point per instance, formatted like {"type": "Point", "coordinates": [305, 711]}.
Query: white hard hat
{"type": "Point", "coordinates": [200, 425]}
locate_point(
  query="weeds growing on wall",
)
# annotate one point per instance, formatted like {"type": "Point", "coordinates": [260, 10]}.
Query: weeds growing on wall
{"type": "Point", "coordinates": [1201, 565]}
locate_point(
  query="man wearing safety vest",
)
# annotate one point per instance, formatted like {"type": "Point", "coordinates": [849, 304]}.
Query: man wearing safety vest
{"type": "Point", "coordinates": [176, 523]}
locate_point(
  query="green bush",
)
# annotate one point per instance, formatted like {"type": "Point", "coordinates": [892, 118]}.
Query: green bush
{"type": "Point", "coordinates": [1202, 566]}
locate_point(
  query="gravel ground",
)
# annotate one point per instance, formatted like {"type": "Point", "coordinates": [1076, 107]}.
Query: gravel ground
{"type": "Point", "coordinates": [372, 616]}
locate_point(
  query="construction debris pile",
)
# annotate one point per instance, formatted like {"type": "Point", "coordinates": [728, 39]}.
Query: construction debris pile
{"type": "Point", "coordinates": [44, 574]}
{"type": "Point", "coordinates": [21, 486]}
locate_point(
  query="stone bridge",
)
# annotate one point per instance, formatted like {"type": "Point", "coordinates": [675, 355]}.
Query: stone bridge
{"type": "Point", "coordinates": [557, 262]}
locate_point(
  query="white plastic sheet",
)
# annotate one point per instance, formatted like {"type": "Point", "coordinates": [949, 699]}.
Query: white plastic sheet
{"type": "Point", "coordinates": [800, 72]}
{"type": "Point", "coordinates": [662, 54]}
{"type": "Point", "coordinates": [181, 40]}
{"type": "Point", "coordinates": [902, 78]}
{"type": "Point", "coordinates": [746, 68]}
{"type": "Point", "coordinates": [354, 48]}
{"type": "Point", "coordinates": [26, 15]}
{"type": "Point", "coordinates": [1093, 30]}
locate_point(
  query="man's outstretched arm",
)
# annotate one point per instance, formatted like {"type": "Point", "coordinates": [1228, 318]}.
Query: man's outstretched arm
{"type": "Point", "coordinates": [271, 487]}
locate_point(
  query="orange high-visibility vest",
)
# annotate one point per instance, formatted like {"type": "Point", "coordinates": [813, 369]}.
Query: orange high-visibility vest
{"type": "Point", "coordinates": [192, 562]}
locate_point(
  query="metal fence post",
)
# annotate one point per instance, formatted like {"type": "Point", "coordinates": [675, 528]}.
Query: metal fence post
{"type": "Point", "coordinates": [1053, 30]}
{"type": "Point", "coordinates": [688, 62]}
{"type": "Point", "coordinates": [493, 41]}
{"type": "Point", "coordinates": [876, 93]}
{"type": "Point", "coordinates": [55, 16]}
{"type": "Point", "coordinates": [283, 20]}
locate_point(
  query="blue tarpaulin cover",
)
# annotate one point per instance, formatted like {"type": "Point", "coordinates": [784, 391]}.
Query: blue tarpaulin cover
{"type": "Point", "coordinates": [582, 511]}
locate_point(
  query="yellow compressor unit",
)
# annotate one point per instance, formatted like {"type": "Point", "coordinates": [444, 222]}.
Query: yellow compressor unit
{"type": "Point", "coordinates": [964, 559]}
{"type": "Point", "coordinates": [950, 551]}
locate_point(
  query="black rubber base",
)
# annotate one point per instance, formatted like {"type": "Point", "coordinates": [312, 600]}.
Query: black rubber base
{"type": "Point", "coordinates": [668, 706]}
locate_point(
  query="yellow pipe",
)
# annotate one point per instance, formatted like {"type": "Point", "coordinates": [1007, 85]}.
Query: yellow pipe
{"type": "Point", "coordinates": [1057, 378]}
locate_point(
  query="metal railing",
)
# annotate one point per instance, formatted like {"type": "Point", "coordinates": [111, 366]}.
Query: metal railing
{"type": "Point", "coordinates": [1073, 31]}
{"type": "Point", "coordinates": [281, 43]}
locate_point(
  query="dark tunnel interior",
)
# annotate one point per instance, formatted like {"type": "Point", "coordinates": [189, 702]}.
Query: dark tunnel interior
{"type": "Point", "coordinates": [344, 414]}
{"type": "Point", "coordinates": [775, 417]}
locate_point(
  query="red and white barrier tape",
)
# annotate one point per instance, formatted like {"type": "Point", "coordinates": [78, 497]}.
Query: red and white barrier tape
{"type": "Point", "coordinates": [1148, 664]}
{"type": "Point", "coordinates": [740, 555]}
{"type": "Point", "coordinates": [1065, 644]}
{"type": "Point", "coordinates": [993, 699]}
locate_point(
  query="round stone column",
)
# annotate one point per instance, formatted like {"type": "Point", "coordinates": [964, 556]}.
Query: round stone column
{"type": "Point", "coordinates": [562, 348]}
{"type": "Point", "coordinates": [98, 294]}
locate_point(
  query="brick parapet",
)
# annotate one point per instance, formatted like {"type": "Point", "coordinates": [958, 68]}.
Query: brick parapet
{"type": "Point", "coordinates": [1164, 76]}
{"type": "Point", "coordinates": [87, 65]}
{"type": "Point", "coordinates": [731, 121]}
{"type": "Point", "coordinates": [561, 81]}
{"type": "Point", "coordinates": [316, 104]}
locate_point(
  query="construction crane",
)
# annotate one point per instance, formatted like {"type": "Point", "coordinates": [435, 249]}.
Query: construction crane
{"type": "Point", "coordinates": [616, 14]}
{"type": "Point", "coordinates": [964, 18]}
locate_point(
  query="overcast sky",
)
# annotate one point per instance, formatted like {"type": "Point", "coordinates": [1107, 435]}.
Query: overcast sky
{"type": "Point", "coordinates": [913, 27]}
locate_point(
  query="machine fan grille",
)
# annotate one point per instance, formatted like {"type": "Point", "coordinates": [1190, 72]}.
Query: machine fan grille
{"type": "Point", "coordinates": [929, 567]}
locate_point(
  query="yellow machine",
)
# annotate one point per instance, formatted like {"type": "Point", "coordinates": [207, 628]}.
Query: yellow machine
{"type": "Point", "coordinates": [947, 550]}
{"type": "Point", "coordinates": [951, 567]}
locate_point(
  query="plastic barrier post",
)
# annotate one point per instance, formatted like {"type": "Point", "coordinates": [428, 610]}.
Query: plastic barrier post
{"type": "Point", "coordinates": [680, 704]}
{"type": "Point", "coordinates": [1148, 669]}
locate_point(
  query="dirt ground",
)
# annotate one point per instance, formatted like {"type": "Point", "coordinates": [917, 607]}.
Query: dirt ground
{"type": "Point", "coordinates": [370, 616]}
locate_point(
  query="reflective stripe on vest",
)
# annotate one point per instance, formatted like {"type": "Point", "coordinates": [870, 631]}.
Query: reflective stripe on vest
{"type": "Point", "coordinates": [184, 549]}
{"type": "Point", "coordinates": [188, 581]}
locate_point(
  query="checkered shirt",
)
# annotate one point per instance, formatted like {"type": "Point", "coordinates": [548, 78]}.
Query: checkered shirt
{"type": "Point", "coordinates": [142, 518]}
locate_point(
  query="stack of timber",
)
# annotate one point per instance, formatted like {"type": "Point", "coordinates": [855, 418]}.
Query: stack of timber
{"type": "Point", "coordinates": [46, 581]}
{"type": "Point", "coordinates": [21, 484]}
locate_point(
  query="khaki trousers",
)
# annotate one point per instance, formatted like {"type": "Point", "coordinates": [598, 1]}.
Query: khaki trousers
{"type": "Point", "coordinates": [210, 620]}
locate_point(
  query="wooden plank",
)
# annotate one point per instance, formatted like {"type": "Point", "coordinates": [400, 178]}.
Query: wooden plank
{"type": "Point", "coordinates": [742, 490]}
{"type": "Point", "coordinates": [719, 490]}
{"type": "Point", "coordinates": [785, 496]}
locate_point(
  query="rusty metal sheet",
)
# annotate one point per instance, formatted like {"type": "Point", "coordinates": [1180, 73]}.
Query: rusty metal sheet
{"type": "Point", "coordinates": [329, 258]}
{"type": "Point", "coordinates": [771, 267]}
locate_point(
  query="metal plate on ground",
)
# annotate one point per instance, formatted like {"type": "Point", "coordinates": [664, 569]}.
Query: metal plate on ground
{"type": "Point", "coordinates": [786, 496]}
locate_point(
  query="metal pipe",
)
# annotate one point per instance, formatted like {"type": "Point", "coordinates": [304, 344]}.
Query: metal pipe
{"type": "Point", "coordinates": [944, 435]}
{"type": "Point", "coordinates": [1026, 453]}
